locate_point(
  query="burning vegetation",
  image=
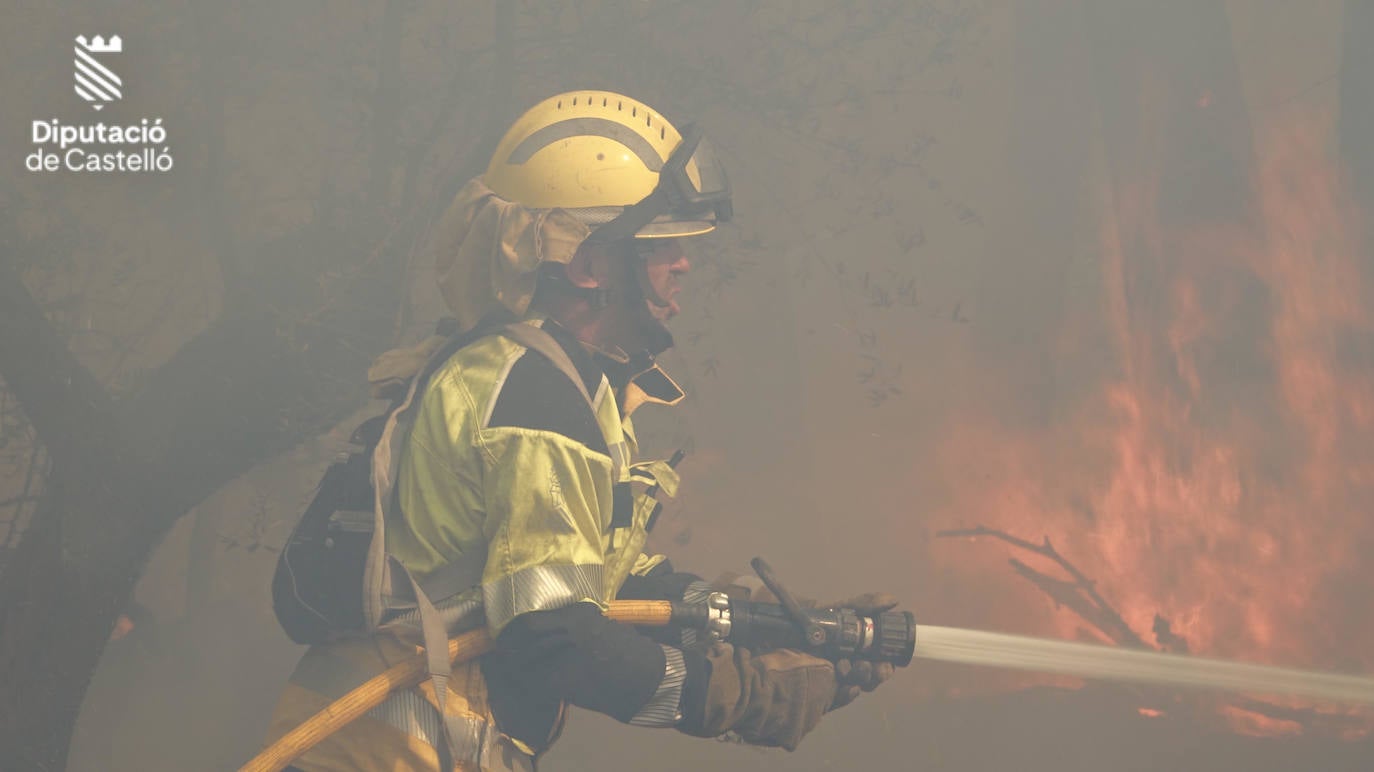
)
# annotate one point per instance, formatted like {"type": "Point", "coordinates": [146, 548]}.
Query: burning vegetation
{"type": "Point", "coordinates": [1208, 492]}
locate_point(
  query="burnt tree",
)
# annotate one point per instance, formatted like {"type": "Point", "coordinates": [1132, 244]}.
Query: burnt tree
{"type": "Point", "coordinates": [1055, 120]}
{"type": "Point", "coordinates": [1178, 146]}
{"type": "Point", "coordinates": [1357, 97]}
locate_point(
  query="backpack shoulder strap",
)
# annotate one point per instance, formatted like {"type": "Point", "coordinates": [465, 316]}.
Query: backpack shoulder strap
{"type": "Point", "coordinates": [380, 585]}
{"type": "Point", "coordinates": [533, 338]}
{"type": "Point", "coordinates": [385, 578]}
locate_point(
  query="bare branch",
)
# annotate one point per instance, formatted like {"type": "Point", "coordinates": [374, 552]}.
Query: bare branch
{"type": "Point", "coordinates": [1080, 596]}
{"type": "Point", "coordinates": [1071, 595]}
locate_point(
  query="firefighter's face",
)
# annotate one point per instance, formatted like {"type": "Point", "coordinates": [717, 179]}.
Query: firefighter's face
{"type": "Point", "coordinates": [648, 274]}
{"type": "Point", "coordinates": [665, 263]}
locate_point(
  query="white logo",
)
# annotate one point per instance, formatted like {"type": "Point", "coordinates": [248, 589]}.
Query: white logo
{"type": "Point", "coordinates": [95, 82]}
{"type": "Point", "coordinates": [116, 145]}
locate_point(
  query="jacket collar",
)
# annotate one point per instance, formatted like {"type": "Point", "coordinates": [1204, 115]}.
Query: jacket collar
{"type": "Point", "coordinates": [634, 379]}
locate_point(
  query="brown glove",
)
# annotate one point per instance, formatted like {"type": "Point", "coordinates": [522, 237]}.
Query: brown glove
{"type": "Point", "coordinates": [771, 699]}
{"type": "Point", "coordinates": [853, 676]}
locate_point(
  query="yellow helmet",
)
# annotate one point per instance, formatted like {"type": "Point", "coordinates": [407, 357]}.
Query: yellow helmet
{"type": "Point", "coordinates": [614, 164]}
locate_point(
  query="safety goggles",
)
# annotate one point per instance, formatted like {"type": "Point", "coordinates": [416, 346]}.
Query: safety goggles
{"type": "Point", "coordinates": [692, 195]}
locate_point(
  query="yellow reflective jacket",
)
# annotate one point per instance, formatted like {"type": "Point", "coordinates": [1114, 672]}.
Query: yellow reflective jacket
{"type": "Point", "coordinates": [533, 497]}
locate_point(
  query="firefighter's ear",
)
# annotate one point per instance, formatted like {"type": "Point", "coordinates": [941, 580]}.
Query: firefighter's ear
{"type": "Point", "coordinates": [590, 266]}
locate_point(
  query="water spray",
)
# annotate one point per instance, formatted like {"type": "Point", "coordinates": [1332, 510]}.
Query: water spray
{"type": "Point", "coordinates": [895, 637]}
{"type": "Point", "coordinates": [844, 633]}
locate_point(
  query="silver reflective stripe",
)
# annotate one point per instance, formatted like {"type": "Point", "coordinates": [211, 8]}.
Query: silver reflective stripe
{"type": "Point", "coordinates": [496, 390]}
{"type": "Point", "coordinates": [665, 707]}
{"type": "Point", "coordinates": [696, 592]}
{"type": "Point", "coordinates": [540, 588]}
{"type": "Point", "coordinates": [601, 390]}
{"type": "Point", "coordinates": [457, 614]}
{"type": "Point", "coordinates": [620, 458]}
{"type": "Point", "coordinates": [589, 125]}
{"type": "Point", "coordinates": [411, 713]}
{"type": "Point", "coordinates": [535, 338]}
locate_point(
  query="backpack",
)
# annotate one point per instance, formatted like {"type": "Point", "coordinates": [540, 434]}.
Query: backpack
{"type": "Point", "coordinates": [333, 577]}
{"type": "Point", "coordinates": [317, 587]}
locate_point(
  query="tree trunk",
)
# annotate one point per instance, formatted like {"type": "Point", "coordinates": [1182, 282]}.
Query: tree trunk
{"type": "Point", "coordinates": [1357, 97]}
{"type": "Point", "coordinates": [1170, 97]}
{"type": "Point", "coordinates": [283, 362]}
{"type": "Point", "coordinates": [386, 108]}
{"type": "Point", "coordinates": [1178, 146]}
{"type": "Point", "coordinates": [1053, 120]}
{"type": "Point", "coordinates": [121, 475]}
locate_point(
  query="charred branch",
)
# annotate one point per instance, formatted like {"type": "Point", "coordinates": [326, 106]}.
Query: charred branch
{"type": "Point", "coordinates": [1079, 594]}
{"type": "Point", "coordinates": [1072, 596]}
{"type": "Point", "coordinates": [1167, 638]}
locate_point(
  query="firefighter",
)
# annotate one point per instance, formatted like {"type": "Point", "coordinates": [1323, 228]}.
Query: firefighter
{"type": "Point", "coordinates": [519, 486]}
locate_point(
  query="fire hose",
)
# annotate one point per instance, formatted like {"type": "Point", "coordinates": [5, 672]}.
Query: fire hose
{"type": "Point", "coordinates": [844, 634]}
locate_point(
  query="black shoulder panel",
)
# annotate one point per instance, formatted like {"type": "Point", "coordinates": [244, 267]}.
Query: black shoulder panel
{"type": "Point", "coordinates": [537, 395]}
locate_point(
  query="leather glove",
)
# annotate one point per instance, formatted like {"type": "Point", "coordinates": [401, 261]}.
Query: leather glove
{"type": "Point", "coordinates": [770, 699]}
{"type": "Point", "coordinates": [853, 676]}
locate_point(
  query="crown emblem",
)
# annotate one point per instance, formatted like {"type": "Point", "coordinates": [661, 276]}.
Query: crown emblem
{"type": "Point", "coordinates": [95, 82]}
{"type": "Point", "coordinates": [98, 44]}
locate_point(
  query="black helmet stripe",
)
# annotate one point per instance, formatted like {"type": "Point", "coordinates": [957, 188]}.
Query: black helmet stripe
{"type": "Point", "coordinates": [581, 127]}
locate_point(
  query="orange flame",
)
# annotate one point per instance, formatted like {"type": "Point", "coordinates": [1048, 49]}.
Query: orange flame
{"type": "Point", "coordinates": [1218, 480]}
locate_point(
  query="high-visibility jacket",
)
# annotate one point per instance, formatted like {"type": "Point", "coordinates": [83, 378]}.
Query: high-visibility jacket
{"type": "Point", "coordinates": [506, 462]}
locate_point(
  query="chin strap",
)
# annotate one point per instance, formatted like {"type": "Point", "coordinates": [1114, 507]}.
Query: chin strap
{"type": "Point", "coordinates": [553, 273]}
{"type": "Point", "coordinates": [637, 293]}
